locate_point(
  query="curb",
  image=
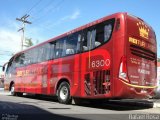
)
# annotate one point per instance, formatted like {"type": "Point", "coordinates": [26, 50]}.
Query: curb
{"type": "Point", "coordinates": [5, 93]}
{"type": "Point", "coordinates": [156, 105]}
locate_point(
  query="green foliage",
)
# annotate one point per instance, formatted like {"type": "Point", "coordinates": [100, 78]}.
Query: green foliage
{"type": "Point", "coordinates": [28, 42]}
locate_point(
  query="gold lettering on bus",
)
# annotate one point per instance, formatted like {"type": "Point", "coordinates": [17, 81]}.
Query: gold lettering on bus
{"type": "Point", "coordinates": [19, 73]}
{"type": "Point", "coordinates": [137, 42]}
{"type": "Point", "coordinates": [38, 71]}
{"type": "Point", "coordinates": [143, 30]}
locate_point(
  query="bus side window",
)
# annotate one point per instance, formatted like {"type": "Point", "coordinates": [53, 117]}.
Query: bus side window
{"type": "Point", "coordinates": [39, 54]}
{"type": "Point", "coordinates": [35, 55]}
{"type": "Point", "coordinates": [45, 52]}
{"type": "Point", "coordinates": [91, 37]}
{"type": "Point", "coordinates": [42, 52]}
{"type": "Point", "coordinates": [22, 58]}
{"type": "Point", "coordinates": [73, 44]}
{"type": "Point", "coordinates": [31, 56]}
{"type": "Point", "coordinates": [107, 32]}
{"type": "Point", "coordinates": [64, 48]}
{"type": "Point", "coordinates": [59, 48]}
{"type": "Point", "coordinates": [52, 50]}
{"type": "Point", "coordinates": [78, 49]}
{"type": "Point", "coordinates": [19, 61]}
{"type": "Point", "coordinates": [99, 35]}
{"type": "Point", "coordinates": [9, 66]}
{"type": "Point", "coordinates": [84, 41]}
{"type": "Point", "coordinates": [27, 58]}
{"type": "Point", "coordinates": [16, 61]}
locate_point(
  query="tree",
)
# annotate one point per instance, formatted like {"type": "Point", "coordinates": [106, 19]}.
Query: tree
{"type": "Point", "coordinates": [28, 42]}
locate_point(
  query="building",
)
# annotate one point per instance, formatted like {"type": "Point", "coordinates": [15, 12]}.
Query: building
{"type": "Point", "coordinates": [158, 80]}
{"type": "Point", "coordinates": [158, 74]}
{"type": "Point", "coordinates": [1, 80]}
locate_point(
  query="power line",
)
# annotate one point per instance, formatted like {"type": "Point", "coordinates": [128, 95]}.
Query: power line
{"type": "Point", "coordinates": [42, 8]}
{"type": "Point", "coordinates": [5, 51]}
{"type": "Point", "coordinates": [33, 6]}
{"type": "Point", "coordinates": [6, 54]}
{"type": "Point", "coordinates": [54, 7]}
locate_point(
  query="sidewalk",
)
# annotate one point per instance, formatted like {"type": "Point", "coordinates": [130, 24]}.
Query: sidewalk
{"type": "Point", "coordinates": [156, 103]}
{"type": "Point", "coordinates": [2, 92]}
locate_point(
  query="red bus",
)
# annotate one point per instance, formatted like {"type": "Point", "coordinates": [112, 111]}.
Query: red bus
{"type": "Point", "coordinates": [113, 57]}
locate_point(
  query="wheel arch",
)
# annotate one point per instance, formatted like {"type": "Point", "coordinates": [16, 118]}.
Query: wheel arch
{"type": "Point", "coordinates": [60, 81]}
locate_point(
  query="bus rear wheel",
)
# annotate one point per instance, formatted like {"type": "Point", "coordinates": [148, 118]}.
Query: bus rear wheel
{"type": "Point", "coordinates": [19, 94]}
{"type": "Point", "coordinates": [64, 93]}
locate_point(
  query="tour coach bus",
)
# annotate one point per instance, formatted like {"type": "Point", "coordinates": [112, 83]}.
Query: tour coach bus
{"type": "Point", "coordinates": [113, 57]}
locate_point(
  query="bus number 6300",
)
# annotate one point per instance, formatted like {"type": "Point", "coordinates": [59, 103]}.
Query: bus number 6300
{"type": "Point", "coordinates": [100, 63]}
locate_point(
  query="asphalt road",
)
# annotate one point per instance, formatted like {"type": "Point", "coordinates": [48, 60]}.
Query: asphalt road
{"type": "Point", "coordinates": [42, 108]}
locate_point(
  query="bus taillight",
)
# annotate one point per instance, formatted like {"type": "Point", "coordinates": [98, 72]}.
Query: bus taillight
{"type": "Point", "coordinates": [123, 69]}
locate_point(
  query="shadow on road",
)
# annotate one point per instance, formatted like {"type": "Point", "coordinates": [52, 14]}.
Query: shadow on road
{"type": "Point", "coordinates": [118, 105]}
{"type": "Point", "coordinates": [16, 111]}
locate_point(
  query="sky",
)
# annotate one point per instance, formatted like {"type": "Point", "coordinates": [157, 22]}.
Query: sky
{"type": "Point", "coordinates": [53, 17]}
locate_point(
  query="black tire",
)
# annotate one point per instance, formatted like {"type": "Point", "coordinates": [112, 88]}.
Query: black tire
{"type": "Point", "coordinates": [97, 101]}
{"type": "Point", "coordinates": [13, 93]}
{"type": "Point", "coordinates": [78, 101]}
{"type": "Point", "coordinates": [19, 94]}
{"type": "Point", "coordinates": [64, 93]}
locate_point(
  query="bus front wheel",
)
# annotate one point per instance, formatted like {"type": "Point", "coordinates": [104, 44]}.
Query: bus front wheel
{"type": "Point", "coordinates": [64, 93]}
{"type": "Point", "coordinates": [12, 90]}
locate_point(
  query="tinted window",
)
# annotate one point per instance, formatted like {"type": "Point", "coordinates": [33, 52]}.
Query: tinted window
{"type": "Point", "coordinates": [73, 44]}
{"type": "Point", "coordinates": [60, 48]}
{"type": "Point", "coordinates": [44, 52]}
{"type": "Point", "coordinates": [34, 55]}
{"type": "Point", "coordinates": [22, 59]}
{"type": "Point", "coordinates": [15, 62]}
{"type": "Point", "coordinates": [27, 58]}
{"type": "Point", "coordinates": [88, 38]}
{"type": "Point", "coordinates": [97, 35]}
{"type": "Point", "coordinates": [19, 60]}
{"type": "Point", "coordinates": [10, 66]}
{"type": "Point", "coordinates": [52, 46]}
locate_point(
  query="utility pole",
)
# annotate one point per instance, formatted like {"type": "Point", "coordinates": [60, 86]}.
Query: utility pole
{"type": "Point", "coordinates": [24, 21]}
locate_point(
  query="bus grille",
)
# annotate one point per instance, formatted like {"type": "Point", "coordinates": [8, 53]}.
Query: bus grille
{"type": "Point", "coordinates": [101, 81]}
{"type": "Point", "coordinates": [143, 53]}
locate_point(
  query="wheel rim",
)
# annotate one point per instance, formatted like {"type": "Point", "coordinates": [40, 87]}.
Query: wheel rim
{"type": "Point", "coordinates": [64, 93]}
